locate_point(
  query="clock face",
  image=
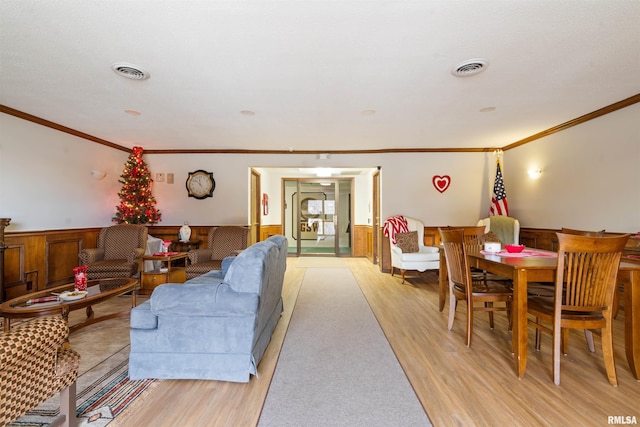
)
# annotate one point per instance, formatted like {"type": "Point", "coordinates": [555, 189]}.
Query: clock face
{"type": "Point", "coordinates": [200, 184]}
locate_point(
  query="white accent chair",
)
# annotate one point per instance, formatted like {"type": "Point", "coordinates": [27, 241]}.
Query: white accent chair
{"type": "Point", "coordinates": [427, 257]}
{"type": "Point", "coordinates": [507, 229]}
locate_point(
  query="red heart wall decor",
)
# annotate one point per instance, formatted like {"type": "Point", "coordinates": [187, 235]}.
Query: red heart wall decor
{"type": "Point", "coordinates": [441, 182]}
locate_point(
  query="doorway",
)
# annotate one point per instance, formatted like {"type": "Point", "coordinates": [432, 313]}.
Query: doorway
{"type": "Point", "coordinates": [318, 216]}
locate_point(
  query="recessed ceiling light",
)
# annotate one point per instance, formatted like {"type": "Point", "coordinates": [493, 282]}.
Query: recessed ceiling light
{"type": "Point", "coordinates": [368, 112]}
{"type": "Point", "coordinates": [132, 112]}
{"type": "Point", "coordinates": [470, 67]}
{"type": "Point", "coordinates": [130, 71]}
{"type": "Point", "coordinates": [247, 113]}
{"type": "Point", "coordinates": [487, 109]}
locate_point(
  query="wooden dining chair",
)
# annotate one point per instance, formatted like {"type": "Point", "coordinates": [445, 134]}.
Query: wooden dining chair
{"type": "Point", "coordinates": [547, 289]}
{"type": "Point", "coordinates": [462, 287]}
{"type": "Point", "coordinates": [583, 295]}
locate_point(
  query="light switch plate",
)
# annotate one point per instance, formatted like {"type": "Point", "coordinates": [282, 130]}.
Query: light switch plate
{"type": "Point", "coordinates": [159, 177]}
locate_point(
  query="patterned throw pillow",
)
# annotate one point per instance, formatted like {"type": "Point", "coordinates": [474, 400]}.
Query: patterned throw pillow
{"type": "Point", "coordinates": [408, 242]}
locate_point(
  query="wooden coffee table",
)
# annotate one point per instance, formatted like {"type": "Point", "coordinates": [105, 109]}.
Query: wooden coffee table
{"type": "Point", "coordinates": [98, 290]}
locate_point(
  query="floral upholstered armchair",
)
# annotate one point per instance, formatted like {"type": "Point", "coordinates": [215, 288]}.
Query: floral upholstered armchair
{"type": "Point", "coordinates": [119, 252]}
{"type": "Point", "coordinates": [222, 242]}
{"type": "Point", "coordinates": [34, 366]}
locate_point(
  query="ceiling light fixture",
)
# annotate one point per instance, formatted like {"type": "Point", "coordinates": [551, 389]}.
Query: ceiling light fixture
{"type": "Point", "coordinates": [470, 67]}
{"type": "Point", "coordinates": [487, 109]}
{"type": "Point", "coordinates": [133, 112]}
{"type": "Point", "coordinates": [368, 112]}
{"type": "Point", "coordinates": [247, 113]}
{"type": "Point", "coordinates": [323, 172]}
{"type": "Point", "coordinates": [130, 71]}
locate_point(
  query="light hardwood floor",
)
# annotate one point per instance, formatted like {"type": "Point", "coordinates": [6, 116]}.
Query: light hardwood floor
{"type": "Point", "coordinates": [457, 385]}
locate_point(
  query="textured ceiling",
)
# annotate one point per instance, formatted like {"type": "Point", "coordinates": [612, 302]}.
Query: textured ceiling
{"type": "Point", "coordinates": [308, 69]}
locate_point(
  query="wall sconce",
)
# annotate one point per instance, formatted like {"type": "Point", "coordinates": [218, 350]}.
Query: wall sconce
{"type": "Point", "coordinates": [98, 175]}
{"type": "Point", "coordinates": [534, 173]}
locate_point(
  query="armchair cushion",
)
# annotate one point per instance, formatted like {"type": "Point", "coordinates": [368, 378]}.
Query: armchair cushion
{"type": "Point", "coordinates": [408, 242]}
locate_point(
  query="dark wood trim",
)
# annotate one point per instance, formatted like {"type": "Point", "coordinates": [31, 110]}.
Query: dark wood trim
{"type": "Point", "coordinates": [582, 119]}
{"type": "Point", "coordinates": [46, 123]}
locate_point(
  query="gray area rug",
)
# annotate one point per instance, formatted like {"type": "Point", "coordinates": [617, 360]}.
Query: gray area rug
{"type": "Point", "coordinates": [336, 367]}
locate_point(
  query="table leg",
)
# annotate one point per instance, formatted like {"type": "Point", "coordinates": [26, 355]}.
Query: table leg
{"type": "Point", "coordinates": [632, 322]}
{"type": "Point", "coordinates": [442, 281]}
{"type": "Point", "coordinates": [519, 313]}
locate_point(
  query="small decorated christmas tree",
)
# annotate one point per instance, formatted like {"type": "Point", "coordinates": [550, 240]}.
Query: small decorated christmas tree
{"type": "Point", "coordinates": [137, 204]}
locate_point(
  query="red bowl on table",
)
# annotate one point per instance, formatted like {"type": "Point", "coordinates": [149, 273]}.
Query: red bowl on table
{"type": "Point", "coordinates": [514, 248]}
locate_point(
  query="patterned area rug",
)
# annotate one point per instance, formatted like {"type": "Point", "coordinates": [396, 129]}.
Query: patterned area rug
{"type": "Point", "coordinates": [103, 393]}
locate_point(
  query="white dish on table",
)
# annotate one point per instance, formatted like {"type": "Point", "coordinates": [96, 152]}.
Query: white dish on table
{"type": "Point", "coordinates": [72, 295]}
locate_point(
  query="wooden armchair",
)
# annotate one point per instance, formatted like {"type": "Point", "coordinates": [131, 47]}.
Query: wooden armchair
{"type": "Point", "coordinates": [222, 242]}
{"type": "Point", "coordinates": [462, 287]}
{"type": "Point", "coordinates": [119, 252]}
{"type": "Point", "coordinates": [583, 295]}
{"type": "Point", "coordinates": [34, 366]}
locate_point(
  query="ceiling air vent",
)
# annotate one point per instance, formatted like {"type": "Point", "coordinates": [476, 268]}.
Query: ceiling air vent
{"type": "Point", "coordinates": [130, 71]}
{"type": "Point", "coordinates": [470, 67]}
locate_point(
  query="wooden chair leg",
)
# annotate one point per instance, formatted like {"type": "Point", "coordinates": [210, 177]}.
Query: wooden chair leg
{"type": "Point", "coordinates": [564, 346]}
{"type": "Point", "coordinates": [588, 335]}
{"type": "Point", "coordinates": [469, 321]}
{"type": "Point", "coordinates": [490, 305]}
{"type": "Point", "coordinates": [509, 316]}
{"type": "Point", "coordinates": [557, 342]}
{"type": "Point", "coordinates": [607, 354]}
{"type": "Point", "coordinates": [537, 335]}
{"type": "Point", "coordinates": [453, 303]}
{"type": "Point", "coordinates": [68, 405]}
{"type": "Point", "coordinates": [403, 272]}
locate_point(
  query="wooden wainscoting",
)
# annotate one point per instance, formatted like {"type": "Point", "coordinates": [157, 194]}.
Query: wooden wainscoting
{"type": "Point", "coordinates": [362, 241]}
{"type": "Point", "coordinates": [38, 260]}
{"type": "Point", "coordinates": [267, 231]}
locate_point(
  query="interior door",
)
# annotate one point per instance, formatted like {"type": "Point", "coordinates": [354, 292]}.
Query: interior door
{"type": "Point", "coordinates": [317, 216]}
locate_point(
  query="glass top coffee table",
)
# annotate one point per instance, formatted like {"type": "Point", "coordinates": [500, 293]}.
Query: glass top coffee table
{"type": "Point", "coordinates": [98, 290]}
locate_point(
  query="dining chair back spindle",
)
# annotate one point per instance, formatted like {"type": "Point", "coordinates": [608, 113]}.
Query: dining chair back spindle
{"type": "Point", "coordinates": [583, 295]}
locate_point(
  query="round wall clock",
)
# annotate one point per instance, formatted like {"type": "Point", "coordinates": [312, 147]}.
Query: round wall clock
{"type": "Point", "coordinates": [200, 184]}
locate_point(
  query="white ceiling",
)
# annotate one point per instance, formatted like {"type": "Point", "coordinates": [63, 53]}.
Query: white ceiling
{"type": "Point", "coordinates": [308, 69]}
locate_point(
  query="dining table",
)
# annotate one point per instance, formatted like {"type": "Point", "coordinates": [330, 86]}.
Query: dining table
{"type": "Point", "coordinates": [536, 265]}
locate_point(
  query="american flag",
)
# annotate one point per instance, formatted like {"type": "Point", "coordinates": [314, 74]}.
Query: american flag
{"type": "Point", "coordinates": [499, 204]}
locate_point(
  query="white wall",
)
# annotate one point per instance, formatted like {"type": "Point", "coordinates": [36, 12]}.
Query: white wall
{"type": "Point", "coordinates": [45, 179]}
{"type": "Point", "coordinates": [590, 179]}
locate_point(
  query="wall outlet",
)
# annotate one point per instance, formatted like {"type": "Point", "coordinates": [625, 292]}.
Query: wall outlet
{"type": "Point", "coordinates": [169, 178]}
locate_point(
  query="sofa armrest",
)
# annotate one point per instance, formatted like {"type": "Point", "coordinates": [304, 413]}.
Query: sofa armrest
{"type": "Point", "coordinates": [200, 255]}
{"type": "Point", "coordinates": [88, 256]}
{"type": "Point", "coordinates": [206, 300]}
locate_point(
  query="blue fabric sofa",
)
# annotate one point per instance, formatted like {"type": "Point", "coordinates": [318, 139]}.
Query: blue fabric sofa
{"type": "Point", "coordinates": [215, 326]}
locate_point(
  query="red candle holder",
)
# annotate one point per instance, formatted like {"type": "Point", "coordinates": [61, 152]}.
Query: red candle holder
{"type": "Point", "coordinates": [80, 274]}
